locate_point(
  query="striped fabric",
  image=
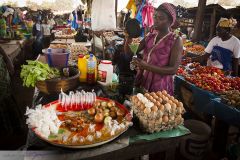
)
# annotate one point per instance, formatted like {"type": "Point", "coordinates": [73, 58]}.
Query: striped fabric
{"type": "Point", "coordinates": [171, 10]}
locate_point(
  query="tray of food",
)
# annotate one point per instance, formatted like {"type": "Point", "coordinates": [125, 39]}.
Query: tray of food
{"type": "Point", "coordinates": [195, 50]}
{"type": "Point", "coordinates": [79, 120]}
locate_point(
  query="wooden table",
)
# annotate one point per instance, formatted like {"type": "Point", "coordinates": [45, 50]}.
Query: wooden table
{"type": "Point", "coordinates": [13, 48]}
{"type": "Point", "coordinates": [59, 41]}
{"type": "Point", "coordinates": [121, 148]}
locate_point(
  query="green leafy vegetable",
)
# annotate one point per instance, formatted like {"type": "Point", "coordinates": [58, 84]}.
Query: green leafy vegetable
{"type": "Point", "coordinates": [51, 136]}
{"type": "Point", "coordinates": [61, 131]}
{"type": "Point", "coordinates": [36, 71]}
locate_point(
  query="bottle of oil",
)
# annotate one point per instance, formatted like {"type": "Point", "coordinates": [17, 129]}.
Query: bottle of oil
{"type": "Point", "coordinates": [91, 65]}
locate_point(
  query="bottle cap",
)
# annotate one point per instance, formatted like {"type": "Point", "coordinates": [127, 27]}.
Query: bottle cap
{"type": "Point", "coordinates": [81, 56]}
{"type": "Point", "coordinates": [106, 62]}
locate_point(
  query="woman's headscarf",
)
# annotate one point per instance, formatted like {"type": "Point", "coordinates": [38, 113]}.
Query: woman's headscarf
{"type": "Point", "coordinates": [227, 23]}
{"type": "Point", "coordinates": [171, 11]}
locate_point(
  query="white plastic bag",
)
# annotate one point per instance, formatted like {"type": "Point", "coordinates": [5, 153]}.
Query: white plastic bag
{"type": "Point", "coordinates": [103, 15]}
{"type": "Point", "coordinates": [215, 63]}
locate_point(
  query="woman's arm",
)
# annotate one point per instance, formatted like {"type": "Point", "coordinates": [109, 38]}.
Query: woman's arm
{"type": "Point", "coordinates": [175, 60]}
{"type": "Point", "coordinates": [235, 66]}
{"type": "Point", "coordinates": [201, 59]}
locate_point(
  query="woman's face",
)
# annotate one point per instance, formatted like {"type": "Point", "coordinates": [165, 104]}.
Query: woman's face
{"type": "Point", "coordinates": [161, 20]}
{"type": "Point", "coordinates": [221, 32]}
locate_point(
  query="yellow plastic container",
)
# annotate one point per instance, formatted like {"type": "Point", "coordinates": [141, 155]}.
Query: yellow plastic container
{"type": "Point", "coordinates": [82, 67]}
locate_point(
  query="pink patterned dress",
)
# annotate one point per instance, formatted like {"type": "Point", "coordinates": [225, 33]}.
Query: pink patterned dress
{"type": "Point", "coordinates": [158, 54]}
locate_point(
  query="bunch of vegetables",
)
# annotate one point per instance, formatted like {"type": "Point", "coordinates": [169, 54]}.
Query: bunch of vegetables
{"type": "Point", "coordinates": [36, 71]}
{"type": "Point", "coordinates": [231, 98]}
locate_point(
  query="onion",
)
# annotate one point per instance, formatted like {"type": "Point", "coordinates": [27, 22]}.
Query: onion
{"type": "Point", "coordinates": [91, 111]}
{"type": "Point", "coordinates": [120, 112]}
{"type": "Point", "coordinates": [99, 118]}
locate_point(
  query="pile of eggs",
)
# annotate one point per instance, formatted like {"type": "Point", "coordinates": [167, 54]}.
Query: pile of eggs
{"type": "Point", "coordinates": [157, 111]}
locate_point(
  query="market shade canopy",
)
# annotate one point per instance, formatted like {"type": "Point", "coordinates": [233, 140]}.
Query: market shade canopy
{"type": "Point", "coordinates": [70, 5]}
{"type": "Point", "coordinates": [186, 3]}
{"type": "Point", "coordinates": [194, 3]}
{"type": "Point", "coordinates": [55, 5]}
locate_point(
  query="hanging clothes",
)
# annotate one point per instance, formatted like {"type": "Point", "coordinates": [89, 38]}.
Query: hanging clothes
{"type": "Point", "coordinates": [139, 13]}
{"type": "Point", "coordinates": [147, 15]}
{"type": "Point", "coordinates": [132, 6]}
{"type": "Point", "coordinates": [74, 22]}
{"type": "Point", "coordinates": [139, 17]}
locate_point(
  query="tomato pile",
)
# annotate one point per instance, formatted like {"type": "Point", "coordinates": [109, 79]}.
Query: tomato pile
{"type": "Point", "coordinates": [210, 78]}
{"type": "Point", "coordinates": [196, 49]}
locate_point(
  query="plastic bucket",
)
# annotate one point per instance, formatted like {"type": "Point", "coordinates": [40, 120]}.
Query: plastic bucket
{"type": "Point", "coordinates": [195, 145]}
{"type": "Point", "coordinates": [56, 57]}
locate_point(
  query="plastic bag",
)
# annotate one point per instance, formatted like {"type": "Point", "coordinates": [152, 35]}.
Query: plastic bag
{"type": "Point", "coordinates": [215, 63]}
{"type": "Point", "coordinates": [103, 15]}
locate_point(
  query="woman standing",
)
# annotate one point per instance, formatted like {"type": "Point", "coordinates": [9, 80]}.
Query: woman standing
{"type": "Point", "coordinates": [162, 52]}
{"type": "Point", "coordinates": [46, 28]}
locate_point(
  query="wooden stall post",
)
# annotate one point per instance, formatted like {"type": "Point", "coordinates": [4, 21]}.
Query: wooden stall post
{"type": "Point", "coordinates": [213, 23]}
{"type": "Point", "coordinates": [103, 45]}
{"type": "Point", "coordinates": [199, 20]}
{"type": "Point", "coordinates": [116, 5]}
{"type": "Point", "coordinates": [93, 44]}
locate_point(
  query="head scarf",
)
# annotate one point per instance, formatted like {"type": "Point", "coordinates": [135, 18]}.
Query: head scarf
{"type": "Point", "coordinates": [227, 23]}
{"type": "Point", "coordinates": [171, 11]}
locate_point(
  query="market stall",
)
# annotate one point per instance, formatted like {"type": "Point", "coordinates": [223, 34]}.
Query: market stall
{"type": "Point", "coordinates": [207, 93]}
{"type": "Point", "coordinates": [17, 50]}
{"type": "Point", "coordinates": [86, 107]}
{"type": "Point", "coordinates": [133, 143]}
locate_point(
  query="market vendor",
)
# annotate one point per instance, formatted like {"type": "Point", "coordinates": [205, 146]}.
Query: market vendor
{"type": "Point", "coordinates": [223, 51]}
{"type": "Point", "coordinates": [162, 52]}
{"type": "Point", "coordinates": [46, 29]}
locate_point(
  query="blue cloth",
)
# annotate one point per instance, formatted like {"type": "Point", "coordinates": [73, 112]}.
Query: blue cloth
{"type": "Point", "coordinates": [139, 13]}
{"type": "Point", "coordinates": [139, 17]}
{"type": "Point", "coordinates": [224, 56]}
{"type": "Point", "coordinates": [74, 22]}
{"type": "Point", "coordinates": [207, 102]}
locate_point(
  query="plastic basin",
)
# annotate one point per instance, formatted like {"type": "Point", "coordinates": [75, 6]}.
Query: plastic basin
{"type": "Point", "coordinates": [56, 57]}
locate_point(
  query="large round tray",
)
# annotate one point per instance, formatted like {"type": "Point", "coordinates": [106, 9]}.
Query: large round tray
{"type": "Point", "coordinates": [54, 103]}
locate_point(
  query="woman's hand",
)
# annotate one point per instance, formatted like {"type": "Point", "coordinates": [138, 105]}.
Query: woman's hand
{"type": "Point", "coordinates": [140, 64]}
